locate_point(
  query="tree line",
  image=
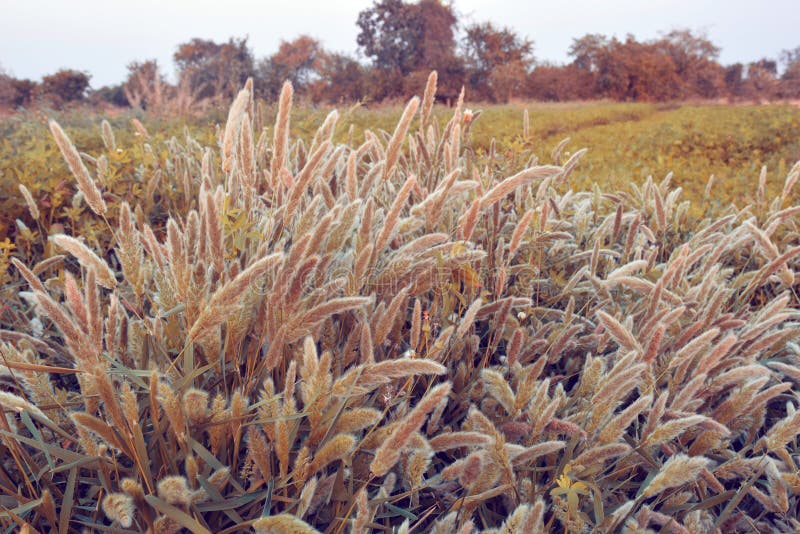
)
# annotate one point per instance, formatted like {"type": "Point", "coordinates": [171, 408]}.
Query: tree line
{"type": "Point", "coordinates": [400, 42]}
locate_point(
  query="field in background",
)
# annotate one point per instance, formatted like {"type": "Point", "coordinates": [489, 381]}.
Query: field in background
{"type": "Point", "coordinates": [626, 142]}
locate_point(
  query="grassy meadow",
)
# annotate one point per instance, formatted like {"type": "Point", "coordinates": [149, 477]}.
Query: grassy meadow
{"type": "Point", "coordinates": [626, 144]}
{"type": "Point", "coordinates": [284, 319]}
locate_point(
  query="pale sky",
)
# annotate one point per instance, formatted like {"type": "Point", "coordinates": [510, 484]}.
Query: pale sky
{"type": "Point", "coordinates": [38, 37]}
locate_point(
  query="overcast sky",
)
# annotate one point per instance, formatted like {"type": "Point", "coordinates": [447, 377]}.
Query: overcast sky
{"type": "Point", "coordinates": [38, 37]}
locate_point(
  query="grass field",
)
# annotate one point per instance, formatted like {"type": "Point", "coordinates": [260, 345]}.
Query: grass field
{"type": "Point", "coordinates": [296, 321]}
{"type": "Point", "coordinates": [626, 144]}
{"type": "Point", "coordinates": [631, 141]}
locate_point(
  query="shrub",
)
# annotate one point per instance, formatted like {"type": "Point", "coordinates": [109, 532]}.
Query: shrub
{"type": "Point", "coordinates": [64, 86]}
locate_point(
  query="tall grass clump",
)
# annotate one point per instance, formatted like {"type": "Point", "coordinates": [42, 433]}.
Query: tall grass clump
{"type": "Point", "coordinates": [396, 336]}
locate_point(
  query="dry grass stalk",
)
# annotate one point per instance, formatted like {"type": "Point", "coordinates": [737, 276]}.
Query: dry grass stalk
{"type": "Point", "coordinates": [782, 432]}
{"type": "Point", "coordinates": [87, 258]}
{"type": "Point", "coordinates": [85, 182]}
{"type": "Point", "coordinates": [620, 334]}
{"type": "Point", "coordinates": [99, 428]}
{"type": "Point", "coordinates": [508, 185]}
{"type": "Point", "coordinates": [32, 207]}
{"type": "Point", "coordinates": [519, 232]}
{"type": "Point", "coordinates": [325, 133]}
{"type": "Point", "coordinates": [140, 129]}
{"type": "Point", "coordinates": [174, 490]}
{"type": "Point", "coordinates": [18, 404]}
{"type": "Point", "coordinates": [677, 471]}
{"type": "Point", "coordinates": [390, 317]}
{"type": "Point", "coordinates": [351, 180]}
{"type": "Point", "coordinates": [447, 524]}
{"type": "Point", "coordinates": [468, 221]}
{"type": "Point", "coordinates": [129, 250]}
{"type": "Point", "coordinates": [427, 100]}
{"type": "Point", "coordinates": [73, 335]}
{"type": "Point", "coordinates": [29, 276]}
{"type": "Point", "coordinates": [535, 451]}
{"type": "Point", "coordinates": [364, 513]}
{"type": "Point", "coordinates": [232, 128]}
{"type": "Point", "coordinates": [525, 518]}
{"type": "Point", "coordinates": [356, 419]}
{"type": "Point", "coordinates": [387, 455]}
{"type": "Point", "coordinates": [337, 448]}
{"type": "Point", "coordinates": [110, 401]}
{"type": "Point", "coordinates": [107, 135]}
{"type": "Point", "coordinates": [212, 222]}
{"type": "Point", "coordinates": [685, 397]}
{"type": "Point", "coordinates": [651, 351]}
{"type": "Point", "coordinates": [599, 454]}
{"type": "Point", "coordinates": [498, 388]}
{"type": "Point", "coordinates": [434, 204]}
{"type": "Point", "coordinates": [394, 214]}
{"type": "Point", "coordinates": [469, 318]}
{"type": "Point", "coordinates": [710, 360]}
{"type": "Point", "coordinates": [453, 440]}
{"type": "Point", "coordinates": [280, 143]}
{"type": "Point", "coordinates": [260, 452]}
{"type": "Point", "coordinates": [396, 142]}
{"type": "Point", "coordinates": [171, 404]}
{"type": "Point", "coordinates": [306, 495]}
{"type": "Point", "coordinates": [416, 324]}
{"type": "Point", "coordinates": [119, 507]}
{"type": "Point", "coordinates": [382, 372]}
{"type": "Point", "coordinates": [614, 429]}
{"type": "Point", "coordinates": [318, 313]}
{"type": "Point", "coordinates": [283, 524]}
{"type": "Point", "coordinates": [195, 406]}
{"type": "Point", "coordinates": [229, 296]}
{"type": "Point", "coordinates": [671, 429]}
{"type": "Point", "coordinates": [791, 179]}
{"type": "Point", "coordinates": [302, 181]}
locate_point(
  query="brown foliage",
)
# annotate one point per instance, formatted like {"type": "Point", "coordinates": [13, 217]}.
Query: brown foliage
{"type": "Point", "coordinates": [63, 87]}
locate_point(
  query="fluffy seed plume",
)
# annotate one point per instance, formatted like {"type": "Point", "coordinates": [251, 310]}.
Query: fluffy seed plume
{"type": "Point", "coordinates": [522, 178]}
{"type": "Point", "coordinates": [87, 258]}
{"type": "Point", "coordinates": [620, 334]}
{"type": "Point", "coordinates": [140, 129]}
{"type": "Point", "coordinates": [108, 135]}
{"type": "Point", "coordinates": [394, 214]}
{"type": "Point", "coordinates": [469, 318]}
{"type": "Point", "coordinates": [174, 490]}
{"type": "Point", "coordinates": [396, 142]}
{"type": "Point", "coordinates": [32, 207]}
{"type": "Point", "coordinates": [15, 403]}
{"type": "Point", "coordinates": [677, 471]}
{"type": "Point", "coordinates": [427, 100]}
{"type": "Point", "coordinates": [119, 507]}
{"type": "Point", "coordinates": [283, 524]}
{"type": "Point", "coordinates": [388, 453]}
{"type": "Point", "coordinates": [232, 126]}
{"type": "Point", "coordinates": [335, 449]}
{"type": "Point", "coordinates": [782, 431]}
{"type": "Point", "coordinates": [195, 406]}
{"type": "Point", "coordinates": [381, 373]}
{"type": "Point", "coordinates": [280, 142]}
{"type": "Point", "coordinates": [227, 297]}
{"type": "Point", "coordinates": [86, 184]}
{"type": "Point", "coordinates": [498, 388]}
